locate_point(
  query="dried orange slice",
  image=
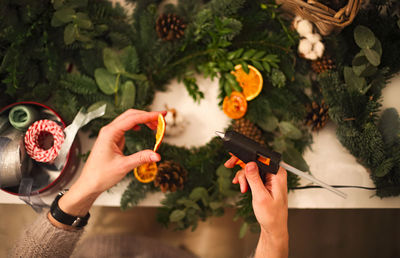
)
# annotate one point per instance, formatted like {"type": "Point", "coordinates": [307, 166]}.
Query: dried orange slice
{"type": "Point", "coordinates": [251, 82]}
{"type": "Point", "coordinates": [160, 131]}
{"type": "Point", "coordinates": [235, 106]}
{"type": "Point", "coordinates": [146, 173]}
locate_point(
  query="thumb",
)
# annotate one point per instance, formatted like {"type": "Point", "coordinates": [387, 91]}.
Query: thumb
{"type": "Point", "coordinates": [142, 157]}
{"type": "Point", "coordinates": [254, 180]}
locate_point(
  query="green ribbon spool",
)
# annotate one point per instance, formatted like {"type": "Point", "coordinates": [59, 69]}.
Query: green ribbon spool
{"type": "Point", "coordinates": [21, 117]}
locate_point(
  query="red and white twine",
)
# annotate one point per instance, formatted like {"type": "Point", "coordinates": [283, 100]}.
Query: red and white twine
{"type": "Point", "coordinates": [32, 142]}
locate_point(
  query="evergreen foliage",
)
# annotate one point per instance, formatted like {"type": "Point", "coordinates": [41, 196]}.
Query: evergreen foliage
{"type": "Point", "coordinates": [73, 53]}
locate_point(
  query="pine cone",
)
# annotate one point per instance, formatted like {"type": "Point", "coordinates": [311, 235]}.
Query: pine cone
{"type": "Point", "coordinates": [247, 128]}
{"type": "Point", "coordinates": [170, 27]}
{"type": "Point", "coordinates": [317, 115]}
{"type": "Point", "coordinates": [170, 177]}
{"type": "Point", "coordinates": [323, 64]}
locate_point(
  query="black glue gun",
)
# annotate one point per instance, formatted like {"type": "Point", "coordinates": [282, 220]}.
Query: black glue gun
{"type": "Point", "coordinates": [268, 161]}
{"type": "Point", "coordinates": [248, 150]}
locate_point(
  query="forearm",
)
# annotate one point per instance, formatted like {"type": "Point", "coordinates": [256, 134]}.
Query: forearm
{"type": "Point", "coordinates": [76, 202]}
{"type": "Point", "coordinates": [276, 246]}
{"type": "Point", "coordinates": [43, 239]}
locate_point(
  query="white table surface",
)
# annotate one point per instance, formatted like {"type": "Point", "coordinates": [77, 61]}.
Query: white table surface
{"type": "Point", "coordinates": [329, 161]}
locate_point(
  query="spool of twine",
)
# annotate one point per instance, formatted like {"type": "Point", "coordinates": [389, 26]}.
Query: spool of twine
{"type": "Point", "coordinates": [37, 142]}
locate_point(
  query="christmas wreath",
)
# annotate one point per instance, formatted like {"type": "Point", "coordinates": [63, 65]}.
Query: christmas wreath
{"type": "Point", "coordinates": [71, 54]}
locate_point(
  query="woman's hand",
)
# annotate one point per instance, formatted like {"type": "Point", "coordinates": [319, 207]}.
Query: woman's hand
{"type": "Point", "coordinates": [270, 207]}
{"type": "Point", "coordinates": [107, 164]}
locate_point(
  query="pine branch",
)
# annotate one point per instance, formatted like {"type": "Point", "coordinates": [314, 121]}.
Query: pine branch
{"type": "Point", "coordinates": [133, 194]}
{"type": "Point", "coordinates": [79, 84]}
{"type": "Point", "coordinates": [224, 7]}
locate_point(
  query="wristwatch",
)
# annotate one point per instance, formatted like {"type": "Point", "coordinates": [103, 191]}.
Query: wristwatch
{"type": "Point", "coordinates": [64, 218]}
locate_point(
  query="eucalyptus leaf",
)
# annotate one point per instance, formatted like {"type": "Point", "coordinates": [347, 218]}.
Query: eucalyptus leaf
{"type": "Point", "coordinates": [279, 144]}
{"type": "Point", "coordinates": [128, 95]}
{"type": "Point", "coordinates": [223, 171]}
{"type": "Point", "coordinates": [189, 203]}
{"type": "Point", "coordinates": [224, 181]}
{"type": "Point", "coordinates": [69, 34]}
{"type": "Point", "coordinates": [378, 47]}
{"type": "Point", "coordinates": [353, 81]}
{"type": "Point", "coordinates": [364, 37]}
{"type": "Point", "coordinates": [112, 61]}
{"type": "Point", "coordinates": [293, 157]}
{"type": "Point", "coordinates": [289, 130]}
{"type": "Point", "coordinates": [225, 186]}
{"type": "Point", "coordinates": [106, 81]}
{"type": "Point", "coordinates": [65, 15]}
{"type": "Point", "coordinates": [369, 71]}
{"type": "Point", "coordinates": [199, 193]}
{"type": "Point", "coordinates": [177, 215]}
{"type": "Point", "coordinates": [216, 205]}
{"type": "Point", "coordinates": [269, 123]}
{"type": "Point", "coordinates": [372, 56]}
{"type": "Point", "coordinates": [360, 63]}
{"type": "Point", "coordinates": [55, 22]}
{"type": "Point", "coordinates": [83, 21]}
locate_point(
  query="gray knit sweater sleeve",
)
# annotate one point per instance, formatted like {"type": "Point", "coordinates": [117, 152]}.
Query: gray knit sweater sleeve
{"type": "Point", "coordinates": [43, 239]}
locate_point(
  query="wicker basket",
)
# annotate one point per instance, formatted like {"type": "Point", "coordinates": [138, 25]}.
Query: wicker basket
{"type": "Point", "coordinates": [324, 18]}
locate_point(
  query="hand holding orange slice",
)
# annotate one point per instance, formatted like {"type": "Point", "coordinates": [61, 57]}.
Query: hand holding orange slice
{"type": "Point", "coordinates": [160, 131]}
{"type": "Point", "coordinates": [251, 82]}
{"type": "Point", "coordinates": [146, 172]}
{"type": "Point", "coordinates": [235, 106]}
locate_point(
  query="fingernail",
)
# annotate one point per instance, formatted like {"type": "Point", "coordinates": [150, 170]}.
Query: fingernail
{"type": "Point", "coordinates": [251, 167]}
{"type": "Point", "coordinates": [241, 188]}
{"type": "Point", "coordinates": [154, 157]}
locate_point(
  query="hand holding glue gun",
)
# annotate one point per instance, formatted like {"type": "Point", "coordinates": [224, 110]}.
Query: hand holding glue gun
{"type": "Point", "coordinates": [268, 161]}
{"type": "Point", "coordinates": [265, 173]}
{"type": "Point", "coordinates": [270, 205]}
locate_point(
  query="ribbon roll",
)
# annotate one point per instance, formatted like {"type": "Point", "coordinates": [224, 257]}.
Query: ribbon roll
{"type": "Point", "coordinates": [14, 163]}
{"type": "Point", "coordinates": [4, 124]}
{"type": "Point", "coordinates": [35, 140]}
{"type": "Point", "coordinates": [21, 116]}
{"type": "Point", "coordinates": [81, 119]}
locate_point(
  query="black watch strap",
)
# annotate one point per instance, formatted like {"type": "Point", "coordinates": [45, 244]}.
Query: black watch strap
{"type": "Point", "coordinates": [64, 218]}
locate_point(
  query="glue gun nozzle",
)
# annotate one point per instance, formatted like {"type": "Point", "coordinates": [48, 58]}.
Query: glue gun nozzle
{"type": "Point", "coordinates": [221, 135]}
